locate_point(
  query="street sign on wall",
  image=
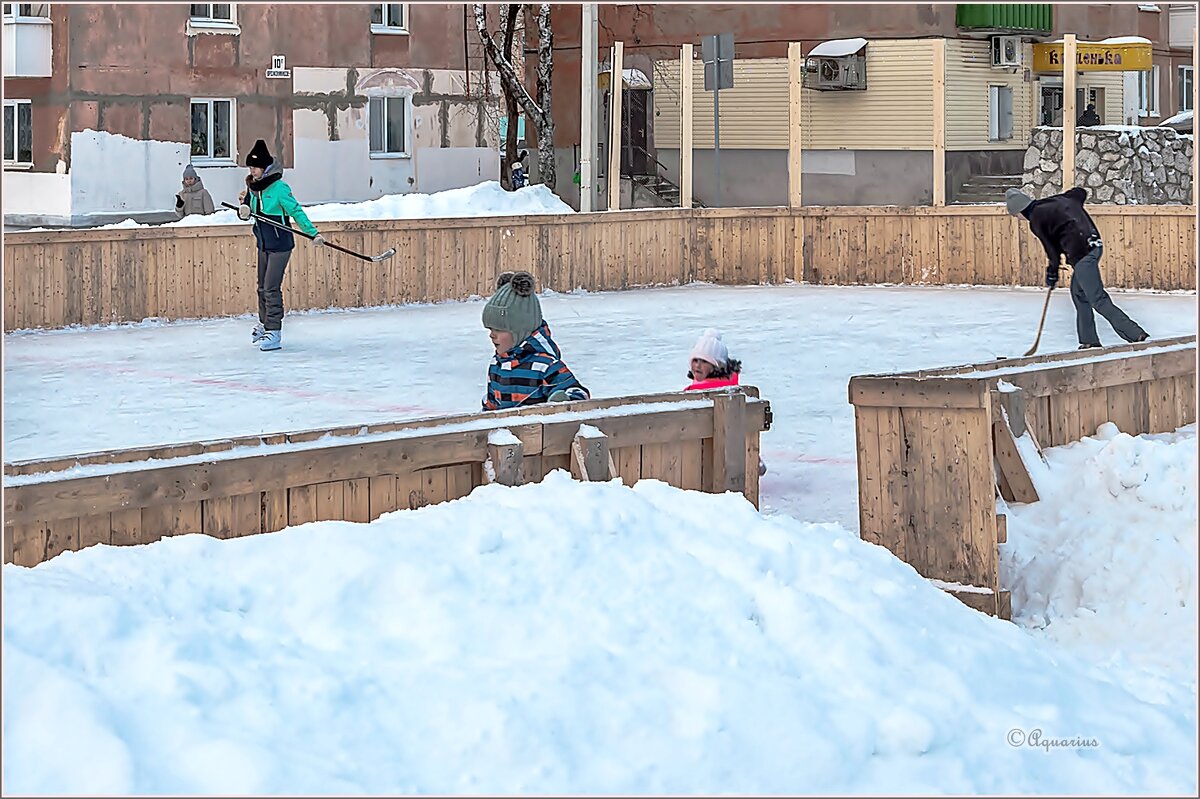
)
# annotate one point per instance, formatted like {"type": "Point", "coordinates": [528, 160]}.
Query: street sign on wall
{"type": "Point", "coordinates": [717, 54]}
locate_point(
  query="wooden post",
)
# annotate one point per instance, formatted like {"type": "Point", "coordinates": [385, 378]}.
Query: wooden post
{"type": "Point", "coordinates": [939, 122]}
{"type": "Point", "coordinates": [590, 457]}
{"type": "Point", "coordinates": [795, 140]}
{"type": "Point", "coordinates": [1069, 112]}
{"type": "Point", "coordinates": [587, 141]}
{"type": "Point", "coordinates": [616, 86]}
{"type": "Point", "coordinates": [1195, 110]}
{"type": "Point", "coordinates": [508, 459]}
{"type": "Point", "coordinates": [685, 127]}
{"type": "Point", "coordinates": [729, 443]}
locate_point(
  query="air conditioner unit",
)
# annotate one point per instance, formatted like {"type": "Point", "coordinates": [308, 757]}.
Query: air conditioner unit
{"type": "Point", "coordinates": [1006, 51]}
{"type": "Point", "coordinates": [842, 73]}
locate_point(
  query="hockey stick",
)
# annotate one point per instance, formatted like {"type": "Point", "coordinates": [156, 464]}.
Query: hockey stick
{"type": "Point", "coordinates": [1041, 324]}
{"type": "Point", "coordinates": [383, 256]}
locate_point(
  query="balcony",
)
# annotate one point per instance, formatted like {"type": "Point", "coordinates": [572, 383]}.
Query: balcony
{"type": "Point", "coordinates": [27, 40]}
{"type": "Point", "coordinates": [1010, 18]}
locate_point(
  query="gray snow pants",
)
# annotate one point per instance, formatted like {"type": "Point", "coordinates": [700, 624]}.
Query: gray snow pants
{"type": "Point", "coordinates": [1087, 291]}
{"type": "Point", "coordinates": [271, 266]}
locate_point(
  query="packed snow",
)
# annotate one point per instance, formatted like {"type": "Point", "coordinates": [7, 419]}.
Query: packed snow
{"type": "Point", "coordinates": [643, 640]}
{"type": "Point", "coordinates": [1105, 563]}
{"type": "Point", "coordinates": [483, 199]}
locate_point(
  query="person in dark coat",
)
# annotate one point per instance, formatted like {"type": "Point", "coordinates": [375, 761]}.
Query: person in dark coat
{"type": "Point", "coordinates": [1065, 228]}
{"type": "Point", "coordinates": [1089, 116]}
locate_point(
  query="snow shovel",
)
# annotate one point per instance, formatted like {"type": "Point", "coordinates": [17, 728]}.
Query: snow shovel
{"type": "Point", "coordinates": [383, 256]}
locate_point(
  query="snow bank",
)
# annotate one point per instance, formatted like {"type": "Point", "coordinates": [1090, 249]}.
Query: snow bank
{"type": "Point", "coordinates": [483, 199]}
{"type": "Point", "coordinates": [1105, 563]}
{"type": "Point", "coordinates": [643, 640]}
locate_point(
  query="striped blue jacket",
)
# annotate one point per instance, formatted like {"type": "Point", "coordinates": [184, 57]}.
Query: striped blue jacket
{"type": "Point", "coordinates": [528, 373]}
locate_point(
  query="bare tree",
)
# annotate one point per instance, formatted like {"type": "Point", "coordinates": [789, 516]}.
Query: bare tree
{"type": "Point", "coordinates": [537, 110]}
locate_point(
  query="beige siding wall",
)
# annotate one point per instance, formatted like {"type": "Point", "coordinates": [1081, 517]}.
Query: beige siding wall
{"type": "Point", "coordinates": [894, 113]}
{"type": "Point", "coordinates": [754, 113]}
{"type": "Point", "coordinates": [969, 74]}
{"type": "Point", "coordinates": [1113, 84]}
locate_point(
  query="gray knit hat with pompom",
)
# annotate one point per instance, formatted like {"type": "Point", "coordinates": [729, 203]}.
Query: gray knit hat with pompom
{"type": "Point", "coordinates": [514, 307]}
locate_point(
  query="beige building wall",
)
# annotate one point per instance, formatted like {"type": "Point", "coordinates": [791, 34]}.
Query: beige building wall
{"type": "Point", "coordinates": [969, 76]}
{"type": "Point", "coordinates": [754, 113]}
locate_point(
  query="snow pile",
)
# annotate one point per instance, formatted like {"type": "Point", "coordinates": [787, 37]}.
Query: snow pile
{"type": "Point", "coordinates": [483, 199]}
{"type": "Point", "coordinates": [562, 637]}
{"type": "Point", "coordinates": [1105, 563]}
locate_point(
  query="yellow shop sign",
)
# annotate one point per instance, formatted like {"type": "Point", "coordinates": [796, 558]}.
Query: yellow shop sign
{"type": "Point", "coordinates": [1094, 57]}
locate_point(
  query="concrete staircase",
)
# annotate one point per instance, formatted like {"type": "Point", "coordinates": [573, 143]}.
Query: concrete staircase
{"type": "Point", "coordinates": [987, 188]}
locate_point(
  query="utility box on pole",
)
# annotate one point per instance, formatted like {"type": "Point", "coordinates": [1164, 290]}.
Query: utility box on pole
{"type": "Point", "coordinates": [717, 53]}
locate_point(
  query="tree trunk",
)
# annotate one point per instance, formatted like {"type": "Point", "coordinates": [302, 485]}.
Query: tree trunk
{"type": "Point", "coordinates": [509, 15]}
{"type": "Point", "coordinates": [537, 111]}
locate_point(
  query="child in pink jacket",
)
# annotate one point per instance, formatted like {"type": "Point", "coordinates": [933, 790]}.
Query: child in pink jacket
{"type": "Point", "coordinates": [711, 367]}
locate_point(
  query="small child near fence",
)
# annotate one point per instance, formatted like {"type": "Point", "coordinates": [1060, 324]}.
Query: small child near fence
{"type": "Point", "coordinates": [711, 367]}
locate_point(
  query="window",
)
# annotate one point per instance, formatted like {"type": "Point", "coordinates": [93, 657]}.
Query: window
{"type": "Point", "coordinates": [39, 11]}
{"type": "Point", "coordinates": [389, 18]}
{"type": "Point", "coordinates": [390, 123]}
{"type": "Point", "coordinates": [1186, 76]}
{"type": "Point", "coordinates": [18, 132]}
{"type": "Point", "coordinates": [212, 130]}
{"type": "Point", "coordinates": [1148, 92]}
{"type": "Point", "coordinates": [1000, 113]}
{"type": "Point", "coordinates": [210, 13]}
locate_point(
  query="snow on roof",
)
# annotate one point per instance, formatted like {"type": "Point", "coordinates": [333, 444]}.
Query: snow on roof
{"type": "Point", "coordinates": [838, 47]}
{"type": "Point", "coordinates": [1182, 116]}
{"type": "Point", "coordinates": [1112, 40]}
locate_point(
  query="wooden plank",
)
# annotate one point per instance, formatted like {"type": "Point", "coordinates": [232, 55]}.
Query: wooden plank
{"type": "Point", "coordinates": [939, 122]}
{"type": "Point", "coordinates": [410, 491]}
{"type": "Point", "coordinates": [275, 510]}
{"type": "Point", "coordinates": [1120, 408]}
{"type": "Point", "coordinates": [1016, 472]}
{"type": "Point", "coordinates": [383, 495]}
{"type": "Point", "coordinates": [302, 505]}
{"type": "Point", "coordinates": [357, 500]}
{"type": "Point", "coordinates": [1001, 528]}
{"type": "Point", "coordinates": [460, 480]}
{"type": "Point", "coordinates": [331, 501]}
{"type": "Point", "coordinates": [629, 463]}
{"type": "Point", "coordinates": [895, 518]}
{"type": "Point", "coordinates": [871, 524]}
{"type": "Point", "coordinates": [982, 518]}
{"type": "Point", "coordinates": [246, 516]}
{"type": "Point", "coordinates": [28, 543]}
{"type": "Point", "coordinates": [1185, 395]}
{"type": "Point", "coordinates": [590, 459]}
{"type": "Point", "coordinates": [433, 484]}
{"type": "Point", "coordinates": [96, 529]}
{"type": "Point", "coordinates": [729, 443]}
{"type": "Point", "coordinates": [905, 392]}
{"type": "Point", "coordinates": [127, 527]}
{"type": "Point", "coordinates": [691, 454]}
{"type": "Point", "coordinates": [507, 463]}
{"type": "Point", "coordinates": [218, 517]}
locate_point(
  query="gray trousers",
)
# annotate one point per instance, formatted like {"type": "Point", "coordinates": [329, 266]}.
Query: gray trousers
{"type": "Point", "coordinates": [1087, 291]}
{"type": "Point", "coordinates": [271, 266]}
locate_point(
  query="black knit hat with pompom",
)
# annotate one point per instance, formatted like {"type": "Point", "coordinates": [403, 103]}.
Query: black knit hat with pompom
{"type": "Point", "coordinates": [514, 307]}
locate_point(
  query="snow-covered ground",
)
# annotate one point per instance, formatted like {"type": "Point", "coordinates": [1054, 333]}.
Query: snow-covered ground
{"type": "Point", "coordinates": [646, 640]}
{"type": "Point", "coordinates": [158, 384]}
{"type": "Point", "coordinates": [483, 199]}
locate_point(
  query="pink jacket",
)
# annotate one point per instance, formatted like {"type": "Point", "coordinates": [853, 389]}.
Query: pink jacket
{"type": "Point", "coordinates": [715, 382]}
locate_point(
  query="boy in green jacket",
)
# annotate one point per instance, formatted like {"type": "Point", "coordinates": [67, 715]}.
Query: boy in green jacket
{"type": "Point", "coordinates": [267, 195]}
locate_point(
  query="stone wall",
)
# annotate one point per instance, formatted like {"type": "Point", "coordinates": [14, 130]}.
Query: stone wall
{"type": "Point", "coordinates": [1119, 165]}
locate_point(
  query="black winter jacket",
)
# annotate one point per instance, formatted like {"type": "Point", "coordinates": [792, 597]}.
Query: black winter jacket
{"type": "Point", "coordinates": [1063, 226]}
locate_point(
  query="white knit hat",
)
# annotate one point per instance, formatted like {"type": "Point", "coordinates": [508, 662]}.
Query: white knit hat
{"type": "Point", "coordinates": [709, 347]}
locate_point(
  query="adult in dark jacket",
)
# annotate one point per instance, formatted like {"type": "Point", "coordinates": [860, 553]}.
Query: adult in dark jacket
{"type": "Point", "coordinates": [1065, 228]}
{"type": "Point", "coordinates": [1089, 116]}
{"type": "Point", "coordinates": [267, 195]}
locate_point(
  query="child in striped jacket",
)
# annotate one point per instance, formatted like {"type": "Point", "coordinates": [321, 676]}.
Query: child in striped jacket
{"type": "Point", "coordinates": [527, 368]}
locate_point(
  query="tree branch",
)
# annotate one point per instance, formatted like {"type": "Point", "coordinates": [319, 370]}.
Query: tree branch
{"type": "Point", "coordinates": [508, 75]}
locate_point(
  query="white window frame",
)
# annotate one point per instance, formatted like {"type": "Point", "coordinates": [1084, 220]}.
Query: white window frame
{"type": "Point", "coordinates": [408, 127]}
{"type": "Point", "coordinates": [209, 160]}
{"type": "Point", "coordinates": [18, 17]}
{"type": "Point", "coordinates": [15, 163]}
{"type": "Point", "coordinates": [1187, 78]}
{"type": "Point", "coordinates": [385, 28]}
{"type": "Point", "coordinates": [994, 90]}
{"type": "Point", "coordinates": [210, 24]}
{"type": "Point", "coordinates": [1148, 86]}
